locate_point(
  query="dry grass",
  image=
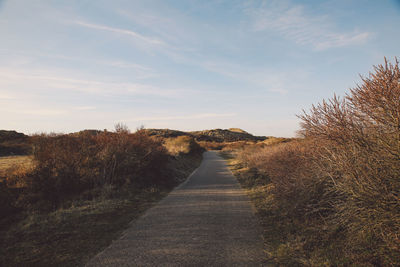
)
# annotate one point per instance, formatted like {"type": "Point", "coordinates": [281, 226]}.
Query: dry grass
{"type": "Point", "coordinates": [13, 169]}
{"type": "Point", "coordinates": [81, 193]}
{"type": "Point", "coordinates": [290, 204]}
{"type": "Point", "coordinates": [82, 227]}
{"type": "Point", "coordinates": [20, 162]}
{"type": "Point", "coordinates": [227, 146]}
{"type": "Point", "coordinates": [332, 198]}
{"type": "Point", "coordinates": [179, 145]}
{"type": "Point", "coordinates": [274, 141]}
{"type": "Point", "coordinates": [71, 236]}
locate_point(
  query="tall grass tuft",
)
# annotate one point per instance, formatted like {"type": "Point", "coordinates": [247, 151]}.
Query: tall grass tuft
{"type": "Point", "coordinates": [181, 145]}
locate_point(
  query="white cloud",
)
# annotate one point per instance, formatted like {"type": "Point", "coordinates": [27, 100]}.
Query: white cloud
{"type": "Point", "coordinates": [149, 40]}
{"type": "Point", "coordinates": [339, 40]}
{"type": "Point", "coordinates": [270, 80]}
{"type": "Point", "coordinates": [49, 80]}
{"type": "Point", "coordinates": [18, 59]}
{"type": "Point", "coordinates": [168, 24]}
{"type": "Point", "coordinates": [184, 117]}
{"type": "Point", "coordinates": [294, 23]}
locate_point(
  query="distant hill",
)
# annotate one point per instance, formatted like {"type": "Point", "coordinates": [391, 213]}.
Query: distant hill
{"type": "Point", "coordinates": [221, 135]}
{"type": "Point", "coordinates": [14, 143]}
{"type": "Point", "coordinates": [215, 135]}
{"type": "Point", "coordinates": [11, 135]}
{"type": "Point", "coordinates": [165, 132]}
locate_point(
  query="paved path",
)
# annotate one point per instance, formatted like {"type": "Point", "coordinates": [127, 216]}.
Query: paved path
{"type": "Point", "coordinates": [207, 221]}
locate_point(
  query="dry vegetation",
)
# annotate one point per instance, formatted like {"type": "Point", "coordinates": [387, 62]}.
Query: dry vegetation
{"type": "Point", "coordinates": [333, 197]}
{"type": "Point", "coordinates": [181, 145]}
{"type": "Point", "coordinates": [82, 190]}
{"type": "Point", "coordinates": [10, 163]}
{"type": "Point", "coordinates": [329, 198]}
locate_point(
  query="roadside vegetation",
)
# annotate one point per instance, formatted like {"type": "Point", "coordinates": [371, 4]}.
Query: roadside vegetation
{"type": "Point", "coordinates": [332, 196]}
{"type": "Point", "coordinates": [77, 192]}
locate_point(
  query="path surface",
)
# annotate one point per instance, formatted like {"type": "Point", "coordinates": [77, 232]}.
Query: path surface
{"type": "Point", "coordinates": [207, 221]}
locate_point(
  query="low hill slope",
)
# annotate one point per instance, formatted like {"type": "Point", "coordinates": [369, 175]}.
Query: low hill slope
{"type": "Point", "coordinates": [221, 135]}
{"type": "Point", "coordinates": [166, 133]}
{"type": "Point", "coordinates": [14, 143]}
{"type": "Point", "coordinates": [215, 135]}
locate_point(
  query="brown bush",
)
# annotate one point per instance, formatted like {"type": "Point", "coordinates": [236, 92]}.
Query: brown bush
{"type": "Point", "coordinates": [225, 146]}
{"type": "Point", "coordinates": [238, 145]}
{"type": "Point", "coordinates": [129, 157]}
{"type": "Point", "coordinates": [181, 145]}
{"type": "Point", "coordinates": [67, 165]}
{"type": "Point", "coordinates": [363, 131]}
{"type": "Point", "coordinates": [211, 145]}
{"type": "Point", "coordinates": [7, 200]}
{"type": "Point", "coordinates": [343, 178]}
{"type": "Point", "coordinates": [298, 188]}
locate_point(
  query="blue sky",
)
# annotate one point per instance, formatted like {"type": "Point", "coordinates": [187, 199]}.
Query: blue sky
{"type": "Point", "coordinates": [188, 65]}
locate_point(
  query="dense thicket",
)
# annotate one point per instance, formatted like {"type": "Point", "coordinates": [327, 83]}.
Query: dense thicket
{"type": "Point", "coordinates": [82, 190]}
{"type": "Point", "coordinates": [339, 187]}
{"type": "Point", "coordinates": [71, 165]}
{"type": "Point", "coordinates": [67, 164]}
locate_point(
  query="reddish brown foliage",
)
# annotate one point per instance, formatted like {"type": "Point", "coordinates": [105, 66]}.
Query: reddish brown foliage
{"type": "Point", "coordinates": [66, 165]}
{"type": "Point", "coordinates": [343, 178]}
{"type": "Point", "coordinates": [363, 155]}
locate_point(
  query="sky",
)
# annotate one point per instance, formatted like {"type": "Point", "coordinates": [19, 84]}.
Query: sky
{"type": "Point", "coordinates": [71, 65]}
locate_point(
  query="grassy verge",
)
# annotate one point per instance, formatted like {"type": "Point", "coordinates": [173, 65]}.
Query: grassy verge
{"type": "Point", "coordinates": [70, 236]}
{"type": "Point", "coordinates": [282, 235]}
{"type": "Point", "coordinates": [294, 238]}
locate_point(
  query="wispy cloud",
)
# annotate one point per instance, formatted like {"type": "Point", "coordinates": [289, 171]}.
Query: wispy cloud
{"type": "Point", "coordinates": [124, 64]}
{"type": "Point", "coordinates": [339, 40]}
{"type": "Point", "coordinates": [23, 59]}
{"type": "Point", "coordinates": [294, 23]}
{"type": "Point", "coordinates": [270, 80]}
{"type": "Point", "coordinates": [171, 26]}
{"type": "Point", "coordinates": [45, 79]}
{"type": "Point", "coordinates": [149, 40]}
{"type": "Point", "coordinates": [184, 117]}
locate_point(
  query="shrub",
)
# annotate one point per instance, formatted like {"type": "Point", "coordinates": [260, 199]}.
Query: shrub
{"type": "Point", "coordinates": [362, 132]}
{"type": "Point", "coordinates": [129, 157]}
{"type": "Point", "coordinates": [6, 200]}
{"type": "Point", "coordinates": [338, 188]}
{"type": "Point", "coordinates": [298, 189]}
{"type": "Point", "coordinates": [66, 165]}
{"type": "Point", "coordinates": [181, 144]}
{"type": "Point", "coordinates": [211, 145]}
{"type": "Point", "coordinates": [238, 145]}
{"type": "Point", "coordinates": [177, 145]}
